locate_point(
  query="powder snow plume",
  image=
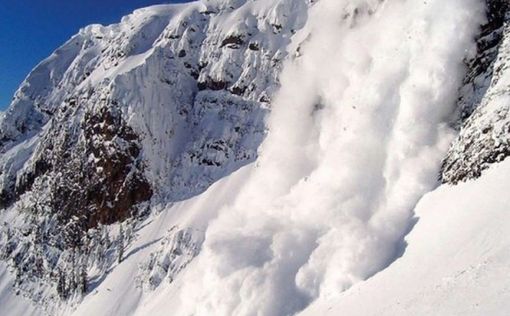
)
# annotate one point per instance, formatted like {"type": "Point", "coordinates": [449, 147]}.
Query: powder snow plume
{"type": "Point", "coordinates": [357, 134]}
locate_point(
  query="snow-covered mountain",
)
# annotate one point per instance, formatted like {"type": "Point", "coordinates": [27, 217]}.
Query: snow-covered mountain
{"type": "Point", "coordinates": [262, 157]}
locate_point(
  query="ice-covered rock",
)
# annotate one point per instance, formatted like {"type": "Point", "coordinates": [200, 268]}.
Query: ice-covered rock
{"type": "Point", "coordinates": [484, 103]}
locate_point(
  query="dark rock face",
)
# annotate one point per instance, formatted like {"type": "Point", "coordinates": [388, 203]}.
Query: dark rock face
{"type": "Point", "coordinates": [233, 41]}
{"type": "Point", "coordinates": [80, 178]}
{"type": "Point", "coordinates": [96, 170]}
{"type": "Point", "coordinates": [211, 84]}
{"type": "Point", "coordinates": [113, 179]}
{"type": "Point", "coordinates": [482, 66]}
{"type": "Point", "coordinates": [484, 125]}
{"type": "Point", "coordinates": [116, 181]}
{"type": "Point", "coordinates": [497, 11]}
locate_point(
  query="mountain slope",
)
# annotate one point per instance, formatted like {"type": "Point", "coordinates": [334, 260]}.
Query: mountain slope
{"type": "Point", "coordinates": [455, 262]}
{"type": "Point", "coordinates": [252, 157]}
{"type": "Point", "coordinates": [121, 118]}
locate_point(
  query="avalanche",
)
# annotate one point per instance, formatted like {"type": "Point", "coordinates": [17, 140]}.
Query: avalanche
{"type": "Point", "coordinates": [357, 134]}
{"type": "Point", "coordinates": [456, 261]}
{"type": "Point", "coordinates": [359, 99]}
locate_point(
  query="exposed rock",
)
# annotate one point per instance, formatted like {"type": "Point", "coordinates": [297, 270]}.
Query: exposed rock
{"type": "Point", "coordinates": [484, 103]}
{"type": "Point", "coordinates": [233, 41]}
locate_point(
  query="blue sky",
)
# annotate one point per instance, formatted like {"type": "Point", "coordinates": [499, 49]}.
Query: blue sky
{"type": "Point", "coordinates": [31, 29]}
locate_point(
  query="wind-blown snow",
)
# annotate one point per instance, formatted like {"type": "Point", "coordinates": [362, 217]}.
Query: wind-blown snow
{"type": "Point", "coordinates": [357, 134]}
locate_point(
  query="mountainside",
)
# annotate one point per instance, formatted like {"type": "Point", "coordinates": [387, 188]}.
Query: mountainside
{"type": "Point", "coordinates": [483, 103]}
{"type": "Point", "coordinates": [242, 157]}
{"type": "Point", "coordinates": [455, 262]}
{"type": "Point", "coordinates": [151, 110]}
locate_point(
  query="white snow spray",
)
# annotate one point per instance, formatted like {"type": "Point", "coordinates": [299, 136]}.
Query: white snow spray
{"type": "Point", "coordinates": [357, 134]}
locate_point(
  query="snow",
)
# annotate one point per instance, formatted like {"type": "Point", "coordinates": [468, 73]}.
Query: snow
{"type": "Point", "coordinates": [359, 122]}
{"type": "Point", "coordinates": [453, 264]}
{"type": "Point", "coordinates": [456, 261]}
{"type": "Point", "coordinates": [353, 145]}
{"type": "Point", "coordinates": [13, 160]}
{"type": "Point", "coordinates": [118, 293]}
{"type": "Point", "coordinates": [9, 302]}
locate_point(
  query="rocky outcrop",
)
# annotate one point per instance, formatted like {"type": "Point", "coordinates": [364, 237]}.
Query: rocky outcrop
{"type": "Point", "coordinates": [484, 103]}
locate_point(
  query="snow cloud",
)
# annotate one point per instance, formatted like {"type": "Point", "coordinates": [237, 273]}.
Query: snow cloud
{"type": "Point", "coordinates": [357, 134]}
